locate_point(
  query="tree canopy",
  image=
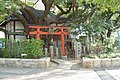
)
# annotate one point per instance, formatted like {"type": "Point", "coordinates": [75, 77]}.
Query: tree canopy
{"type": "Point", "coordinates": [73, 12]}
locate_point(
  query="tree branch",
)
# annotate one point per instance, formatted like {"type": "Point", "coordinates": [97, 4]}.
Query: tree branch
{"type": "Point", "coordinates": [44, 2]}
{"type": "Point", "coordinates": [89, 14]}
{"type": "Point", "coordinates": [48, 5]}
{"type": "Point", "coordinates": [117, 19]}
{"type": "Point", "coordinates": [58, 21]}
{"type": "Point", "coordinates": [116, 22]}
{"type": "Point", "coordinates": [21, 18]}
{"type": "Point", "coordinates": [62, 11]}
{"type": "Point", "coordinates": [25, 14]}
{"type": "Point", "coordinates": [30, 12]}
{"type": "Point", "coordinates": [35, 2]}
{"type": "Point", "coordinates": [60, 8]}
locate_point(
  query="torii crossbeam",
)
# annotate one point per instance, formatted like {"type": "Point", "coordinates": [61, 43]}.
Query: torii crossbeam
{"type": "Point", "coordinates": [62, 32]}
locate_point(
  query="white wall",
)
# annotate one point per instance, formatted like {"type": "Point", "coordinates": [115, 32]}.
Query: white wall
{"type": "Point", "coordinates": [2, 34]}
{"type": "Point", "coordinates": [18, 25]}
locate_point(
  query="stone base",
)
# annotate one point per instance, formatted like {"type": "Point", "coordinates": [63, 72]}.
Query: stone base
{"type": "Point", "coordinates": [106, 63]}
{"type": "Point", "coordinates": [25, 63]}
{"type": "Point", "coordinates": [97, 63]}
{"type": "Point", "coordinates": [100, 63]}
{"type": "Point", "coordinates": [87, 63]}
{"type": "Point", "coordinates": [115, 62]}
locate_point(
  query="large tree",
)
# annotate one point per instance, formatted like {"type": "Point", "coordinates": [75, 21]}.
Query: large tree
{"type": "Point", "coordinates": [68, 11]}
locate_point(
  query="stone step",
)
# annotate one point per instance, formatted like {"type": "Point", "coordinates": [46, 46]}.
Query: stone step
{"type": "Point", "coordinates": [67, 64]}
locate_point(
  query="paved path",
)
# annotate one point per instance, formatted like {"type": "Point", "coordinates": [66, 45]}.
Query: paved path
{"type": "Point", "coordinates": [58, 73]}
{"type": "Point", "coordinates": [52, 74]}
{"type": "Point", "coordinates": [104, 75]}
{"type": "Point", "coordinates": [115, 73]}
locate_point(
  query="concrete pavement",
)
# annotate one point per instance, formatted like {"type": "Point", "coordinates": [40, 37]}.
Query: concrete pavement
{"type": "Point", "coordinates": [73, 72]}
{"type": "Point", "coordinates": [115, 73]}
{"type": "Point", "coordinates": [48, 74]}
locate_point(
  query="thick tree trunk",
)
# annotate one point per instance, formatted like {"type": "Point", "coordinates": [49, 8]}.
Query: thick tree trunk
{"type": "Point", "coordinates": [101, 38]}
{"type": "Point", "coordinates": [31, 14]}
{"type": "Point", "coordinates": [48, 4]}
{"type": "Point", "coordinates": [109, 32]}
{"type": "Point", "coordinates": [28, 15]}
{"type": "Point", "coordinates": [21, 18]}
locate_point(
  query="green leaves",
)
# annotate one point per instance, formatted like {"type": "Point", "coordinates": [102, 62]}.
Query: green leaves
{"type": "Point", "coordinates": [104, 4]}
{"type": "Point", "coordinates": [7, 7]}
{"type": "Point", "coordinates": [80, 1]}
{"type": "Point", "coordinates": [33, 48]}
{"type": "Point", "coordinates": [2, 10]}
{"type": "Point", "coordinates": [63, 3]}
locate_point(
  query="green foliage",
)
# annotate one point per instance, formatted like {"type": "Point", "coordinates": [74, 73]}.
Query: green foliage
{"type": "Point", "coordinates": [97, 24]}
{"type": "Point", "coordinates": [2, 10]}
{"type": "Point", "coordinates": [11, 47]}
{"type": "Point", "coordinates": [97, 47]}
{"type": "Point", "coordinates": [117, 43]}
{"type": "Point", "coordinates": [64, 3]}
{"type": "Point", "coordinates": [91, 56]}
{"type": "Point", "coordinates": [104, 56]}
{"type": "Point", "coordinates": [112, 55]}
{"type": "Point", "coordinates": [108, 44]}
{"type": "Point", "coordinates": [80, 1]}
{"type": "Point", "coordinates": [105, 4]}
{"type": "Point", "coordinates": [7, 7]}
{"type": "Point", "coordinates": [31, 47]}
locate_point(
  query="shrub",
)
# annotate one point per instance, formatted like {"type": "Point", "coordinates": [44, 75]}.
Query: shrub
{"type": "Point", "coordinates": [104, 56]}
{"type": "Point", "coordinates": [108, 45]}
{"type": "Point", "coordinates": [117, 43]}
{"type": "Point", "coordinates": [31, 47]}
{"type": "Point", "coordinates": [91, 56]}
{"type": "Point", "coordinates": [96, 48]}
{"type": "Point", "coordinates": [110, 55]}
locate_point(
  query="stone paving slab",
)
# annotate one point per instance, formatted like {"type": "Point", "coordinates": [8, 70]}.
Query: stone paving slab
{"type": "Point", "coordinates": [104, 75]}
{"type": "Point", "coordinates": [55, 73]}
{"type": "Point", "coordinates": [15, 70]}
{"type": "Point", "coordinates": [115, 73]}
{"type": "Point", "coordinates": [52, 74]}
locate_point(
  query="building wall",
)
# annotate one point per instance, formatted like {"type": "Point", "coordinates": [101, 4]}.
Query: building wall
{"type": "Point", "coordinates": [19, 26]}
{"type": "Point", "coordinates": [2, 34]}
{"type": "Point", "coordinates": [15, 26]}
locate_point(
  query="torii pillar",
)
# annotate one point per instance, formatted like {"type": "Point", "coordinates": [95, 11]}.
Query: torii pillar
{"type": "Point", "coordinates": [63, 42]}
{"type": "Point", "coordinates": [38, 32]}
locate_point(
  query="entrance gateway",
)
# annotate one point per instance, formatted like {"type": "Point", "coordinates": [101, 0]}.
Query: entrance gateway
{"type": "Point", "coordinates": [57, 30]}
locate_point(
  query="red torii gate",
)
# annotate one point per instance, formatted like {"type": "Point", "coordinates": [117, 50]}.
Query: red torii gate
{"type": "Point", "coordinates": [62, 32]}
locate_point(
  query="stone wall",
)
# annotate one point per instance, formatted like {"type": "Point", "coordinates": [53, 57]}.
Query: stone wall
{"type": "Point", "coordinates": [101, 63]}
{"type": "Point", "coordinates": [25, 63]}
